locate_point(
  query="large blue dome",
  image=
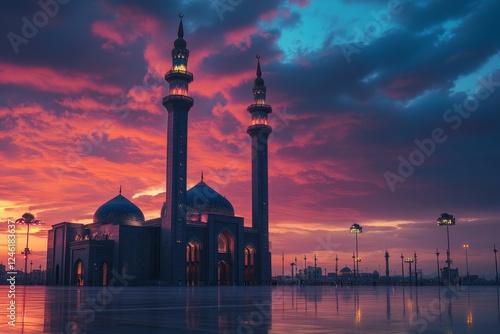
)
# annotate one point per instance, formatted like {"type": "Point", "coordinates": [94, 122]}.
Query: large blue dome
{"type": "Point", "coordinates": [119, 210]}
{"type": "Point", "coordinates": [203, 199]}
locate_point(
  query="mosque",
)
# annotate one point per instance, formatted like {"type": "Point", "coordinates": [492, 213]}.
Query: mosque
{"type": "Point", "coordinates": [197, 240]}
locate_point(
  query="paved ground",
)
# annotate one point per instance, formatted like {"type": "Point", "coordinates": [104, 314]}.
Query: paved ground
{"type": "Point", "coordinates": [241, 309]}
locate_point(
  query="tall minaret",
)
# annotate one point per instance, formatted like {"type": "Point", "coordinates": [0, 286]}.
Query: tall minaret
{"type": "Point", "coordinates": [178, 103]}
{"type": "Point", "coordinates": [259, 131]}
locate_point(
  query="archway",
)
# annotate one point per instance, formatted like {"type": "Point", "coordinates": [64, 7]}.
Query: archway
{"type": "Point", "coordinates": [193, 263]}
{"type": "Point", "coordinates": [79, 272]}
{"type": "Point", "coordinates": [225, 250]}
{"type": "Point", "coordinates": [248, 270]}
{"type": "Point", "coordinates": [223, 273]}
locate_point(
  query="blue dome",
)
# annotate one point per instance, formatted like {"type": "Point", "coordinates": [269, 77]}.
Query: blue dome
{"type": "Point", "coordinates": [203, 199]}
{"type": "Point", "coordinates": [119, 210]}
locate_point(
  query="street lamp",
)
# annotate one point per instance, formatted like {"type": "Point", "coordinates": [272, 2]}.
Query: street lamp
{"type": "Point", "coordinates": [356, 229]}
{"type": "Point", "coordinates": [402, 269]}
{"type": "Point", "coordinates": [466, 246]}
{"type": "Point", "coordinates": [437, 261]}
{"type": "Point", "coordinates": [416, 273]}
{"type": "Point", "coordinates": [409, 260]}
{"type": "Point", "coordinates": [27, 219]}
{"type": "Point", "coordinates": [496, 263]}
{"type": "Point", "coordinates": [447, 220]}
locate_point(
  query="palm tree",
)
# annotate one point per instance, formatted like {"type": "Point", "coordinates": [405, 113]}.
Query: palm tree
{"type": "Point", "coordinates": [27, 219]}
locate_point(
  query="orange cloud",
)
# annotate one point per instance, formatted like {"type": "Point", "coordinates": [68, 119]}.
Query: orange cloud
{"type": "Point", "coordinates": [50, 80]}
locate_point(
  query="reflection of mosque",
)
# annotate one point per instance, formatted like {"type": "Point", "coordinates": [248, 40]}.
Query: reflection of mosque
{"type": "Point", "coordinates": [211, 310]}
{"type": "Point", "coordinates": [197, 239]}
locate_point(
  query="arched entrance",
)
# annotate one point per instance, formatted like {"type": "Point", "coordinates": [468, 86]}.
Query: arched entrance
{"type": "Point", "coordinates": [248, 270]}
{"type": "Point", "coordinates": [79, 272]}
{"type": "Point", "coordinates": [193, 263]}
{"type": "Point", "coordinates": [223, 273]}
{"type": "Point", "coordinates": [225, 250]}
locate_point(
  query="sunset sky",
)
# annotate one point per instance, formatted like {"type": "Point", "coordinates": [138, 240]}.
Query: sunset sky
{"type": "Point", "coordinates": [385, 113]}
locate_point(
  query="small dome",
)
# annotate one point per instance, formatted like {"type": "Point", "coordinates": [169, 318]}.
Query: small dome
{"type": "Point", "coordinates": [345, 271]}
{"type": "Point", "coordinates": [119, 210]}
{"type": "Point", "coordinates": [203, 199]}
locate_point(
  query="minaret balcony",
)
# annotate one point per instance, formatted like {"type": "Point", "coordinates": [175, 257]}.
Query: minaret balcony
{"type": "Point", "coordinates": [179, 74]}
{"type": "Point", "coordinates": [259, 108]}
{"type": "Point", "coordinates": [187, 100]}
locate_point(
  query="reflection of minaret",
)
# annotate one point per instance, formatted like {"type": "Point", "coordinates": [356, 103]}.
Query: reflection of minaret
{"type": "Point", "coordinates": [177, 103]}
{"type": "Point", "coordinates": [259, 131]}
{"type": "Point", "coordinates": [387, 266]}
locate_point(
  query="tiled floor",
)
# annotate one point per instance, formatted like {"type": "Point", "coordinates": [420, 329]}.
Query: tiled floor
{"type": "Point", "coordinates": [230, 309]}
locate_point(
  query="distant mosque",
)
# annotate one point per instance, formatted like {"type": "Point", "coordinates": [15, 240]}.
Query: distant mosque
{"type": "Point", "coordinates": [197, 240]}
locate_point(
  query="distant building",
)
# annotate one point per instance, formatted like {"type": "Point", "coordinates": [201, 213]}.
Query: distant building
{"type": "Point", "coordinates": [313, 274]}
{"type": "Point", "coordinates": [454, 278]}
{"type": "Point", "coordinates": [197, 239]}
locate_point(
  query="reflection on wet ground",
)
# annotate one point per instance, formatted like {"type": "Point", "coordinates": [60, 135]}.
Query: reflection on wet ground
{"type": "Point", "coordinates": [258, 309]}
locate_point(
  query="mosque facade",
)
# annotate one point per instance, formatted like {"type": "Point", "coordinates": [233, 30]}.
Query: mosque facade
{"type": "Point", "coordinates": [197, 240]}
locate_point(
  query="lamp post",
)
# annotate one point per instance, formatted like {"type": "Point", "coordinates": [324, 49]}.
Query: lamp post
{"type": "Point", "coordinates": [466, 246]}
{"type": "Point", "coordinates": [447, 220]}
{"type": "Point", "coordinates": [31, 271]}
{"type": "Point", "coordinates": [315, 269]}
{"type": "Point", "coordinates": [292, 264]}
{"type": "Point", "coordinates": [356, 229]}
{"type": "Point", "coordinates": [416, 273]}
{"type": "Point", "coordinates": [409, 260]}
{"type": "Point", "coordinates": [354, 266]}
{"type": "Point", "coordinates": [496, 263]}
{"type": "Point", "coordinates": [27, 219]}
{"type": "Point", "coordinates": [437, 262]}
{"type": "Point", "coordinates": [402, 269]}
{"type": "Point", "coordinates": [336, 268]}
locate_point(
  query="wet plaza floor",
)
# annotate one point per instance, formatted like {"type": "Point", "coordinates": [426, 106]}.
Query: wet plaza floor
{"type": "Point", "coordinates": [253, 309]}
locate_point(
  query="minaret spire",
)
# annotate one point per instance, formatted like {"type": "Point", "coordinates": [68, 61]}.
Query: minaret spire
{"type": "Point", "coordinates": [180, 31]}
{"type": "Point", "coordinates": [259, 131]}
{"type": "Point", "coordinates": [259, 72]}
{"type": "Point", "coordinates": [120, 192]}
{"type": "Point", "coordinates": [178, 103]}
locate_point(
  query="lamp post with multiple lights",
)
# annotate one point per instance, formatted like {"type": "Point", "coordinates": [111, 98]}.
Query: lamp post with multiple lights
{"type": "Point", "coordinates": [447, 220]}
{"type": "Point", "coordinates": [27, 219]}
{"type": "Point", "coordinates": [356, 229]}
{"type": "Point", "coordinates": [409, 260]}
{"type": "Point", "coordinates": [402, 269]}
{"type": "Point", "coordinates": [466, 246]}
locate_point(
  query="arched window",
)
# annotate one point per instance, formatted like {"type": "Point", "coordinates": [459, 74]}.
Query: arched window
{"type": "Point", "coordinates": [224, 243]}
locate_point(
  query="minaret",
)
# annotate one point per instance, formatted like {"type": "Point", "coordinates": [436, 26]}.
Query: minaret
{"type": "Point", "coordinates": [177, 103]}
{"type": "Point", "coordinates": [259, 131]}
